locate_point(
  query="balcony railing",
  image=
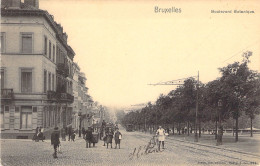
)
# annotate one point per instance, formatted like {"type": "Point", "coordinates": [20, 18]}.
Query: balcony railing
{"type": "Point", "coordinates": [63, 69]}
{"type": "Point", "coordinates": [65, 97]}
{"type": "Point", "coordinates": [52, 95]}
{"type": "Point", "coordinates": [7, 94]}
{"type": "Point", "coordinates": [60, 97]}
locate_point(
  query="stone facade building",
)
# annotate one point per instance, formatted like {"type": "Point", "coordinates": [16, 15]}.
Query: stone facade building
{"type": "Point", "coordinates": [37, 70]}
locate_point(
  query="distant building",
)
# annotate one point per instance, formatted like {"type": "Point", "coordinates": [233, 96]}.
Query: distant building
{"type": "Point", "coordinates": [36, 70]}
{"type": "Point", "coordinates": [82, 101]}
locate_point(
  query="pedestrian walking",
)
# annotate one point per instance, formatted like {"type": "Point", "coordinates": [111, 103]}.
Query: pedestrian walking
{"type": "Point", "coordinates": [69, 132]}
{"type": "Point", "coordinates": [55, 140]}
{"type": "Point", "coordinates": [63, 134]}
{"type": "Point", "coordinates": [83, 131]}
{"type": "Point", "coordinates": [40, 135]}
{"type": "Point", "coordinates": [109, 137]}
{"type": "Point", "coordinates": [161, 136]}
{"type": "Point", "coordinates": [35, 138]}
{"type": "Point", "coordinates": [88, 137]}
{"type": "Point", "coordinates": [73, 135]}
{"type": "Point", "coordinates": [106, 134]}
{"type": "Point", "coordinates": [118, 137]}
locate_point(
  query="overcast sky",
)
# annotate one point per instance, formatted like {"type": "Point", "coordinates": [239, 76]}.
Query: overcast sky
{"type": "Point", "coordinates": [123, 46]}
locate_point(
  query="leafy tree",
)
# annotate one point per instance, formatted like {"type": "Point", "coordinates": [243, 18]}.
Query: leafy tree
{"type": "Point", "coordinates": [236, 82]}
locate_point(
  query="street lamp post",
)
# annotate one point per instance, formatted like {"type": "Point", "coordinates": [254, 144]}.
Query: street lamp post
{"type": "Point", "coordinates": [197, 108]}
{"type": "Point", "coordinates": [80, 119]}
{"type": "Point", "coordinates": [220, 129]}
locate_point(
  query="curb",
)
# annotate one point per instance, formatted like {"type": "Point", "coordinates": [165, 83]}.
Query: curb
{"type": "Point", "coordinates": [217, 147]}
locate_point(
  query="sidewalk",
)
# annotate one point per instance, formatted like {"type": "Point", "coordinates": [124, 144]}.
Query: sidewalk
{"type": "Point", "coordinates": [245, 142]}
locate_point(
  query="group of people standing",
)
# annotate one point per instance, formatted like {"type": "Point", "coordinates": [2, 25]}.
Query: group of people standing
{"type": "Point", "coordinates": [109, 135]}
{"type": "Point", "coordinates": [89, 137]}
{"type": "Point", "coordinates": [68, 131]}
{"type": "Point", "coordinates": [106, 131]}
{"type": "Point", "coordinates": [38, 135]}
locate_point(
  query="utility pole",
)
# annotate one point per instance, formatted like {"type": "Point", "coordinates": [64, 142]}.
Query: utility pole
{"type": "Point", "coordinates": [197, 107]}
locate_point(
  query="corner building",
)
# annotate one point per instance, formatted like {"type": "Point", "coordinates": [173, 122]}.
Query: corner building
{"type": "Point", "coordinates": [36, 71]}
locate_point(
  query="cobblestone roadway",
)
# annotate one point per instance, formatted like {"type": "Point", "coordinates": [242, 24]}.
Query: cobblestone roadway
{"type": "Point", "coordinates": [27, 152]}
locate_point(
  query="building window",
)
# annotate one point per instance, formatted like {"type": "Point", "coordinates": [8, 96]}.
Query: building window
{"type": "Point", "coordinates": [53, 53]}
{"type": "Point", "coordinates": [2, 79]}
{"type": "Point", "coordinates": [2, 116]}
{"type": "Point", "coordinates": [26, 117]}
{"type": "Point", "coordinates": [57, 54]}
{"type": "Point", "coordinates": [26, 80]}
{"type": "Point", "coordinates": [49, 81]}
{"type": "Point", "coordinates": [50, 49]}
{"type": "Point", "coordinates": [45, 45]}
{"type": "Point", "coordinates": [2, 42]}
{"type": "Point", "coordinates": [35, 109]}
{"type": "Point", "coordinates": [27, 43]}
{"type": "Point", "coordinates": [45, 81]}
{"type": "Point", "coordinates": [53, 82]}
{"type": "Point", "coordinates": [44, 117]}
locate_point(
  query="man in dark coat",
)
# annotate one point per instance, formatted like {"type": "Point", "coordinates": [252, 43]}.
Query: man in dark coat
{"type": "Point", "coordinates": [69, 132]}
{"type": "Point", "coordinates": [55, 140]}
{"type": "Point", "coordinates": [109, 137]}
{"type": "Point", "coordinates": [88, 137]}
{"type": "Point", "coordinates": [83, 131]}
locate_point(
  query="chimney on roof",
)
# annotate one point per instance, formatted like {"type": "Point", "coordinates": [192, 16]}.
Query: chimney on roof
{"type": "Point", "coordinates": [34, 3]}
{"type": "Point", "coordinates": [11, 3]}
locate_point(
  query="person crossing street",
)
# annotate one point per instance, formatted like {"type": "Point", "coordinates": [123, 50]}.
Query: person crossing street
{"type": "Point", "coordinates": [55, 140]}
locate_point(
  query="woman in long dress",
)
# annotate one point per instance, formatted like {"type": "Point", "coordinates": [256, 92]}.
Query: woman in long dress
{"type": "Point", "coordinates": [109, 137]}
{"type": "Point", "coordinates": [161, 136]}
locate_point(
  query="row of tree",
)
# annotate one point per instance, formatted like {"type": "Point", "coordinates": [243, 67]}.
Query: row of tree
{"type": "Point", "coordinates": [236, 91]}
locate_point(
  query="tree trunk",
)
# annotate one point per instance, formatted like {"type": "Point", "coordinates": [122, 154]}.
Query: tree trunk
{"type": "Point", "coordinates": [236, 128]}
{"type": "Point", "coordinates": [199, 128]}
{"type": "Point", "coordinates": [251, 130]}
{"type": "Point", "coordinates": [216, 129]}
{"type": "Point", "coordinates": [173, 128]}
{"type": "Point", "coordinates": [188, 128]}
{"type": "Point", "coordinates": [179, 128]}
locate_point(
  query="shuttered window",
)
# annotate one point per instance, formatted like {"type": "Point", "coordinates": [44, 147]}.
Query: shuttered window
{"type": "Point", "coordinates": [45, 45]}
{"type": "Point", "coordinates": [50, 49]}
{"type": "Point", "coordinates": [45, 81]}
{"type": "Point", "coordinates": [49, 82]}
{"type": "Point", "coordinates": [26, 80]}
{"type": "Point", "coordinates": [27, 43]}
{"type": "Point", "coordinates": [2, 116]}
{"type": "Point", "coordinates": [2, 42]}
{"type": "Point", "coordinates": [2, 79]}
{"type": "Point", "coordinates": [54, 56]}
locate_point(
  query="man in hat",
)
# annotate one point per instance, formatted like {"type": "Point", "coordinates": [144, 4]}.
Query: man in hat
{"type": "Point", "coordinates": [88, 137]}
{"type": "Point", "coordinates": [55, 140]}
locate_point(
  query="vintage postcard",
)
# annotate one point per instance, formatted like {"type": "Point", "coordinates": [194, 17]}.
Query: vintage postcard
{"type": "Point", "coordinates": [149, 82]}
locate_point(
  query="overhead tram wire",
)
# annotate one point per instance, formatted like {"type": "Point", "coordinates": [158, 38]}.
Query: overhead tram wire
{"type": "Point", "coordinates": [173, 82]}
{"type": "Point", "coordinates": [238, 53]}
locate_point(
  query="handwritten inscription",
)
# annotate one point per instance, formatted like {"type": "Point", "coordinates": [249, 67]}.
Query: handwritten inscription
{"type": "Point", "coordinates": [151, 147]}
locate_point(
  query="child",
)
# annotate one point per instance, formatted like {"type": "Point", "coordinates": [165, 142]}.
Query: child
{"type": "Point", "coordinates": [118, 137]}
